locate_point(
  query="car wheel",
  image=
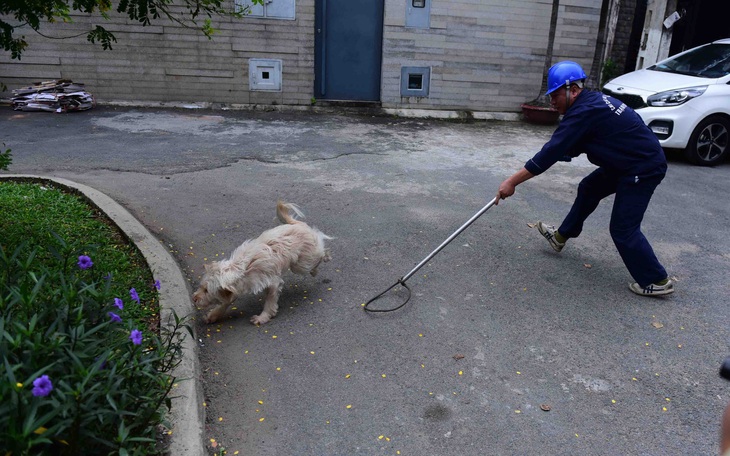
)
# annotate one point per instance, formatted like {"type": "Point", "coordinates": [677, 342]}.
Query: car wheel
{"type": "Point", "coordinates": [709, 142]}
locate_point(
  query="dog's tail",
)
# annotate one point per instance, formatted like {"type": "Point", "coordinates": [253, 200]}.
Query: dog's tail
{"type": "Point", "coordinates": [284, 212]}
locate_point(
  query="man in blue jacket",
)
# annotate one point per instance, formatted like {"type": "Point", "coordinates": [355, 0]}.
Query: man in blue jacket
{"type": "Point", "coordinates": [630, 161]}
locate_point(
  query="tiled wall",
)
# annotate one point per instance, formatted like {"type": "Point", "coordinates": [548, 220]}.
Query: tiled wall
{"type": "Point", "coordinates": [484, 55]}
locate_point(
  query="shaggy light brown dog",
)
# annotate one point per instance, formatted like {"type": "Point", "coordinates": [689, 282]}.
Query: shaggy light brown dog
{"type": "Point", "coordinates": [258, 264]}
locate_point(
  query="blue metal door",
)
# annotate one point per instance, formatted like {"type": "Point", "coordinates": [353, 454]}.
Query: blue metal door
{"type": "Point", "coordinates": [348, 49]}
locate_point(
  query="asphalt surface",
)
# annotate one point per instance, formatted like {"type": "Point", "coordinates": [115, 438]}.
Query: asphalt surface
{"type": "Point", "coordinates": [499, 327]}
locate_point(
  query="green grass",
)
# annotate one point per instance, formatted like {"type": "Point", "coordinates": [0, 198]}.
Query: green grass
{"type": "Point", "coordinates": [33, 211]}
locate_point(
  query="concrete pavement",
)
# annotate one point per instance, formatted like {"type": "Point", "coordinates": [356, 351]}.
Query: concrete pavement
{"type": "Point", "coordinates": [498, 324]}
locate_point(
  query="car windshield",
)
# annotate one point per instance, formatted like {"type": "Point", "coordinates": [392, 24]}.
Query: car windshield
{"type": "Point", "coordinates": [710, 61]}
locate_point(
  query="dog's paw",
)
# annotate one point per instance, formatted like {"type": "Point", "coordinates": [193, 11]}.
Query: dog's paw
{"type": "Point", "coordinates": [260, 319]}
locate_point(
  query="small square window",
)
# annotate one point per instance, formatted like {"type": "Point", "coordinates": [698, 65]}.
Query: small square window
{"type": "Point", "coordinates": [264, 75]}
{"type": "Point", "coordinates": [414, 81]}
{"type": "Point", "coordinates": [418, 3]}
{"type": "Point", "coordinates": [272, 9]}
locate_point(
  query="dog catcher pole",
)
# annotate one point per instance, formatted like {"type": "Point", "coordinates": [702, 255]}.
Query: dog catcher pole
{"type": "Point", "coordinates": [402, 280]}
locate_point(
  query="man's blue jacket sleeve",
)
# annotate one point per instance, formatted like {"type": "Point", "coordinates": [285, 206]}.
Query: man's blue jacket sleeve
{"type": "Point", "coordinates": [561, 145]}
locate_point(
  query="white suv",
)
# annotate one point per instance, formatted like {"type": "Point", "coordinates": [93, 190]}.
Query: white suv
{"type": "Point", "coordinates": [685, 100]}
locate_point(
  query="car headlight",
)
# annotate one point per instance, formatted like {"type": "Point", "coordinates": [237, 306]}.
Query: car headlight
{"type": "Point", "coordinates": [675, 97]}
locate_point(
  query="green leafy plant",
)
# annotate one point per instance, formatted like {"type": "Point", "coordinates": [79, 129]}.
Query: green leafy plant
{"type": "Point", "coordinates": [33, 14]}
{"type": "Point", "coordinates": [82, 378]}
{"type": "Point", "coordinates": [87, 367]}
{"type": "Point", "coordinates": [609, 71]}
{"type": "Point", "coordinates": [5, 157]}
{"type": "Point", "coordinates": [40, 215]}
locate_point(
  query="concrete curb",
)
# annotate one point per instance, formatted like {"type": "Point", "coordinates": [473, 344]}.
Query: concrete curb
{"type": "Point", "coordinates": [187, 414]}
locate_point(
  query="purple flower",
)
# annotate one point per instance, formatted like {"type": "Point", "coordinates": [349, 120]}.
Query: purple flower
{"type": "Point", "coordinates": [118, 302]}
{"type": "Point", "coordinates": [115, 318]}
{"type": "Point", "coordinates": [136, 336]}
{"type": "Point", "coordinates": [42, 386]}
{"type": "Point", "coordinates": [134, 295]}
{"type": "Point", "coordinates": [85, 262]}
{"type": "Point", "coordinates": [103, 363]}
{"type": "Point", "coordinates": [157, 284]}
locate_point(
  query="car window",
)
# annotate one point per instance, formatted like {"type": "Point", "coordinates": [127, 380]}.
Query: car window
{"type": "Point", "coordinates": [710, 61]}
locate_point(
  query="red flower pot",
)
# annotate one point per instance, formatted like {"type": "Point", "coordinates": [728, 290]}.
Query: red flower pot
{"type": "Point", "coordinates": [540, 114]}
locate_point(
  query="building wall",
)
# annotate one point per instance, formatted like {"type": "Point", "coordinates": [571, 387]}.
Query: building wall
{"type": "Point", "coordinates": [168, 63]}
{"type": "Point", "coordinates": [484, 55]}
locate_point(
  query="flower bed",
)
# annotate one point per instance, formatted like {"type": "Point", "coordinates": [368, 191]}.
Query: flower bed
{"type": "Point", "coordinates": [85, 361]}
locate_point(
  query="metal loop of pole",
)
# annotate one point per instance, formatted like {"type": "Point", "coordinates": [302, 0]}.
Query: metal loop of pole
{"type": "Point", "coordinates": [399, 282]}
{"type": "Point", "coordinates": [402, 280]}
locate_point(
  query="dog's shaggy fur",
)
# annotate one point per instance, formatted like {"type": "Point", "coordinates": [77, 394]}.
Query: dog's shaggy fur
{"type": "Point", "coordinates": [258, 264]}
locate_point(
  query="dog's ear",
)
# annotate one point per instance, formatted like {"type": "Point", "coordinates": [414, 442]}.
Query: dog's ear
{"type": "Point", "coordinates": [227, 278]}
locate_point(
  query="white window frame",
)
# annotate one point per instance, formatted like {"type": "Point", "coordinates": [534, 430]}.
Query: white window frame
{"type": "Point", "coordinates": [271, 9]}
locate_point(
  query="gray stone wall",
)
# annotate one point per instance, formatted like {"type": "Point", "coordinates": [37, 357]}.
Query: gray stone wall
{"type": "Point", "coordinates": [168, 63]}
{"type": "Point", "coordinates": [484, 55]}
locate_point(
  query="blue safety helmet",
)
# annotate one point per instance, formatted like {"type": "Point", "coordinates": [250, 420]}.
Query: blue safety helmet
{"type": "Point", "coordinates": [563, 74]}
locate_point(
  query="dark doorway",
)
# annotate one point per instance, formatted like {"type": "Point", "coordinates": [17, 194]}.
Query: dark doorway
{"type": "Point", "coordinates": [702, 21]}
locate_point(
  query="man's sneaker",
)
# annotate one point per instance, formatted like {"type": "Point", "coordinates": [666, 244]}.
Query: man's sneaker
{"type": "Point", "coordinates": [548, 233]}
{"type": "Point", "coordinates": [653, 289]}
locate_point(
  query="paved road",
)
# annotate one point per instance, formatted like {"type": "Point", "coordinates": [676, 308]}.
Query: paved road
{"type": "Point", "coordinates": [498, 325]}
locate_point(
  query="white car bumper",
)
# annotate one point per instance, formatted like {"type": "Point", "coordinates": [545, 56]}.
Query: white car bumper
{"type": "Point", "coordinates": [672, 125]}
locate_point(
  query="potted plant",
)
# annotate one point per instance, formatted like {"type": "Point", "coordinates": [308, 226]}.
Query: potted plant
{"type": "Point", "coordinates": [539, 110]}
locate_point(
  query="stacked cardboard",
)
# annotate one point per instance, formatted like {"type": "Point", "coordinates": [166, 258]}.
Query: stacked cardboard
{"type": "Point", "coordinates": [60, 95]}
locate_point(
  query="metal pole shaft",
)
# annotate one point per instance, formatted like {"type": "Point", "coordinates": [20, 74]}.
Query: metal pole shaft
{"type": "Point", "coordinates": [450, 238]}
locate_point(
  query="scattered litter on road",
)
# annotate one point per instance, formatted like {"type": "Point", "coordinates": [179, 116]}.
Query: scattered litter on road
{"type": "Point", "coordinates": [61, 95]}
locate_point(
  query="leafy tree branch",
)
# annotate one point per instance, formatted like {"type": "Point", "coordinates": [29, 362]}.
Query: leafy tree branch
{"type": "Point", "coordinates": [36, 13]}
